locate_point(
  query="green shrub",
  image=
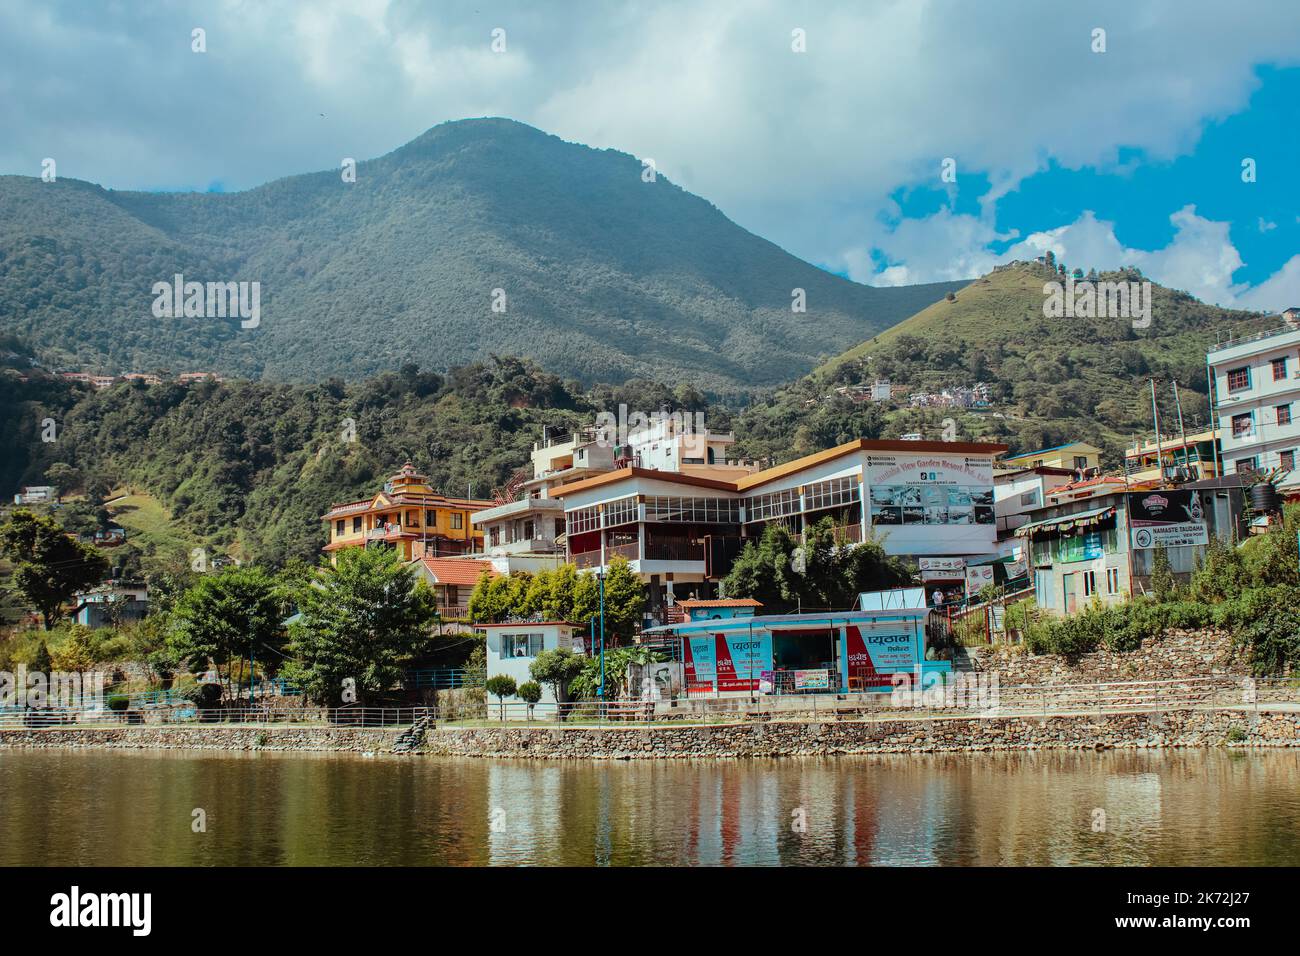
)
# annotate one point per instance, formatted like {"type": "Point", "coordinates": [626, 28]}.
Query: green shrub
{"type": "Point", "coordinates": [1236, 735]}
{"type": "Point", "coordinates": [501, 686]}
{"type": "Point", "coordinates": [118, 703]}
{"type": "Point", "coordinates": [530, 692]}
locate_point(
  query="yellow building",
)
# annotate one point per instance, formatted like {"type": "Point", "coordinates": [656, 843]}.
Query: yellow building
{"type": "Point", "coordinates": [1185, 459]}
{"type": "Point", "coordinates": [1074, 455]}
{"type": "Point", "coordinates": [407, 515]}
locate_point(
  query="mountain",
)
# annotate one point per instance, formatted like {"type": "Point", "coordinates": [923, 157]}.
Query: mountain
{"type": "Point", "coordinates": [1050, 380]}
{"type": "Point", "coordinates": [605, 276]}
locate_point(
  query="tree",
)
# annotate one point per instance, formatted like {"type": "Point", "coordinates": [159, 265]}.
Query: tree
{"type": "Point", "coordinates": [835, 571]}
{"type": "Point", "coordinates": [556, 668]}
{"type": "Point", "coordinates": [501, 686]}
{"type": "Point", "coordinates": [362, 619]}
{"type": "Point", "coordinates": [63, 477]}
{"type": "Point", "coordinates": [49, 565]}
{"type": "Point", "coordinates": [1162, 576]}
{"type": "Point", "coordinates": [226, 617]}
{"type": "Point", "coordinates": [530, 692]}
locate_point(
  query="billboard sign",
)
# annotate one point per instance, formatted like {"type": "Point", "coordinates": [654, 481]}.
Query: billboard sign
{"type": "Point", "coordinates": [722, 663]}
{"type": "Point", "coordinates": [1166, 518]}
{"type": "Point", "coordinates": [930, 490]}
{"type": "Point", "coordinates": [875, 651]}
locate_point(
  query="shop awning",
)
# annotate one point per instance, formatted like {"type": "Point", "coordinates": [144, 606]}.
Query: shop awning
{"type": "Point", "coordinates": [1075, 522]}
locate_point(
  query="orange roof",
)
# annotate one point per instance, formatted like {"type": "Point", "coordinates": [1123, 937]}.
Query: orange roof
{"type": "Point", "coordinates": [458, 571]}
{"type": "Point", "coordinates": [1091, 483]}
{"type": "Point", "coordinates": [720, 602]}
{"type": "Point", "coordinates": [789, 468]}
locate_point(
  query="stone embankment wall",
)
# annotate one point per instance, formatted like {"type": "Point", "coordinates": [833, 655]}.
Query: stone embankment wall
{"type": "Point", "coordinates": [1179, 728]}
{"type": "Point", "coordinates": [172, 737]}
{"type": "Point", "coordinates": [1174, 654]}
{"type": "Point", "coordinates": [1189, 728]}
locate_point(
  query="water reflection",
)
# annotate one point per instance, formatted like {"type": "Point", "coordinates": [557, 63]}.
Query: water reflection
{"type": "Point", "coordinates": [1159, 809]}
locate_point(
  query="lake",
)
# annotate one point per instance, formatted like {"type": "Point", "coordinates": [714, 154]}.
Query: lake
{"type": "Point", "coordinates": [1150, 808]}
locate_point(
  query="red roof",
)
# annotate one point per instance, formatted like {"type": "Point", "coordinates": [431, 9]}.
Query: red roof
{"type": "Point", "coordinates": [457, 571]}
{"type": "Point", "coordinates": [720, 602]}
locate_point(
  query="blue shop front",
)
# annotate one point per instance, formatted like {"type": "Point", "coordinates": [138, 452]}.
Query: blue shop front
{"type": "Point", "coordinates": [860, 650]}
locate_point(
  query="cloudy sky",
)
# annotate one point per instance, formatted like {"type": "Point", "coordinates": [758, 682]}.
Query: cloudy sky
{"type": "Point", "coordinates": [1133, 155]}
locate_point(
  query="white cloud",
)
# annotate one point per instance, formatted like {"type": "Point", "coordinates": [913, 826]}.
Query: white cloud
{"type": "Point", "coordinates": [1200, 258]}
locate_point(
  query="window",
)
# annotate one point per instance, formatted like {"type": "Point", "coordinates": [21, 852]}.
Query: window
{"type": "Point", "coordinates": [431, 518]}
{"type": "Point", "coordinates": [1080, 461]}
{"type": "Point", "coordinates": [1112, 580]}
{"type": "Point", "coordinates": [829, 494]}
{"type": "Point", "coordinates": [1238, 378]}
{"type": "Point", "coordinates": [338, 526]}
{"type": "Point", "coordinates": [583, 519]}
{"type": "Point", "coordinates": [1241, 425]}
{"type": "Point", "coordinates": [1279, 368]}
{"type": "Point", "coordinates": [413, 519]}
{"type": "Point", "coordinates": [621, 511]}
{"type": "Point", "coordinates": [1089, 583]}
{"type": "Point", "coordinates": [559, 527]}
{"type": "Point", "coordinates": [520, 645]}
{"type": "Point", "coordinates": [1284, 414]}
{"type": "Point", "coordinates": [1286, 460]}
{"type": "Point", "coordinates": [356, 524]}
{"type": "Point", "coordinates": [693, 510]}
{"type": "Point", "coordinates": [456, 521]}
{"type": "Point", "coordinates": [494, 535]}
{"type": "Point", "coordinates": [1247, 465]}
{"type": "Point", "coordinates": [1029, 497]}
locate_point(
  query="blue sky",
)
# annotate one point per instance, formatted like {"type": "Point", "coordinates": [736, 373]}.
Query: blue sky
{"type": "Point", "coordinates": [1131, 155]}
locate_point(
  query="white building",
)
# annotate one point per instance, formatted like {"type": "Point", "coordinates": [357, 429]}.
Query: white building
{"type": "Point", "coordinates": [681, 532]}
{"type": "Point", "coordinates": [533, 523]}
{"type": "Point", "coordinates": [512, 648]}
{"type": "Point", "coordinates": [1256, 382]}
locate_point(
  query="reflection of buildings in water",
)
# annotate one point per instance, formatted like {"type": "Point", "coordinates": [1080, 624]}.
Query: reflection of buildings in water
{"type": "Point", "coordinates": [525, 812]}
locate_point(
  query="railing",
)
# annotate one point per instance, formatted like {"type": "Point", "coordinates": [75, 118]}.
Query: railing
{"type": "Point", "coordinates": [441, 678]}
{"type": "Point", "coordinates": [591, 559]}
{"type": "Point", "coordinates": [670, 549]}
{"type": "Point", "coordinates": [968, 695]}
{"type": "Point", "coordinates": [308, 715]}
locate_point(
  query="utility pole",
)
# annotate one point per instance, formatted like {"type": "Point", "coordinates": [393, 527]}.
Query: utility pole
{"type": "Point", "coordinates": [601, 578]}
{"type": "Point", "coordinates": [1182, 432]}
{"type": "Point", "coordinates": [1160, 451]}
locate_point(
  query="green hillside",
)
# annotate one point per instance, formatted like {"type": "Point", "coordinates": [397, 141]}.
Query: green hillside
{"type": "Point", "coordinates": [247, 468]}
{"type": "Point", "coordinates": [605, 276]}
{"type": "Point", "coordinates": [1050, 380]}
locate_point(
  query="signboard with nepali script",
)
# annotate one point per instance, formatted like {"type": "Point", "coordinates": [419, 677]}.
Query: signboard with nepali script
{"type": "Point", "coordinates": [727, 663]}
{"type": "Point", "coordinates": [874, 652]}
{"type": "Point", "coordinates": [1166, 518]}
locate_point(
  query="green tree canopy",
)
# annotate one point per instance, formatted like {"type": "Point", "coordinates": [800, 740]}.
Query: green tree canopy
{"type": "Point", "coordinates": [226, 616]}
{"type": "Point", "coordinates": [834, 572]}
{"type": "Point", "coordinates": [49, 565]}
{"type": "Point", "coordinates": [362, 620]}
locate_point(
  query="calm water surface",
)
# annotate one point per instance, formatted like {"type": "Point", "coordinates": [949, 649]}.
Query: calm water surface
{"type": "Point", "coordinates": [1171, 808]}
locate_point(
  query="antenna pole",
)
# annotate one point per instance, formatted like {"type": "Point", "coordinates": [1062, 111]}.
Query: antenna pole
{"type": "Point", "coordinates": [1155, 420]}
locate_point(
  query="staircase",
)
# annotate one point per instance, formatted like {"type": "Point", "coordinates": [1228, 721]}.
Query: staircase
{"type": "Point", "coordinates": [412, 736]}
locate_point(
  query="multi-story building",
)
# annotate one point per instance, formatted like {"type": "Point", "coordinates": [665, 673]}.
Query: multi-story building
{"type": "Point", "coordinates": [1190, 458]}
{"type": "Point", "coordinates": [1095, 540]}
{"type": "Point", "coordinates": [1256, 399]}
{"type": "Point", "coordinates": [1017, 494]}
{"type": "Point", "coordinates": [533, 522]}
{"type": "Point", "coordinates": [1075, 455]}
{"type": "Point", "coordinates": [681, 532]}
{"type": "Point", "coordinates": [409, 516]}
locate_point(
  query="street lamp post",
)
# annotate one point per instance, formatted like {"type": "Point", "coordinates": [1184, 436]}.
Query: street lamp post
{"type": "Point", "coordinates": [600, 576]}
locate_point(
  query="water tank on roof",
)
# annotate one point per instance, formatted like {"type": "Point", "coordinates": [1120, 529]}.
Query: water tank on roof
{"type": "Point", "coordinates": [1264, 497]}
